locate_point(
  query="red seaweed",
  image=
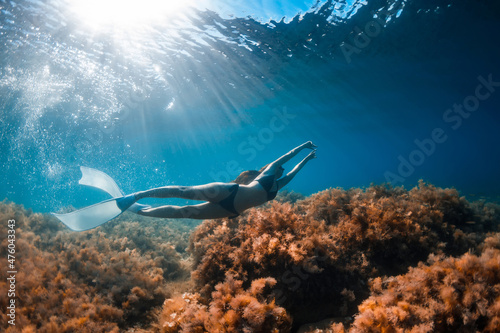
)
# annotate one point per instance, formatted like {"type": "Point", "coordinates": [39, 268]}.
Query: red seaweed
{"type": "Point", "coordinates": [333, 256]}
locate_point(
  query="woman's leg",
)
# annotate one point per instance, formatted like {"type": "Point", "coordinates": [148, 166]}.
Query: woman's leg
{"type": "Point", "coordinates": [212, 192]}
{"type": "Point", "coordinates": [202, 211]}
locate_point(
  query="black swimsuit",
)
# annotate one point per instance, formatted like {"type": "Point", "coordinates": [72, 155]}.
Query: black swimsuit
{"type": "Point", "coordinates": [266, 182]}
{"type": "Point", "coordinates": [228, 202]}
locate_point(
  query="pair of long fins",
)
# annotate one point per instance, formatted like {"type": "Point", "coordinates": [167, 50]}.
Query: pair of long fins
{"type": "Point", "coordinates": [100, 213]}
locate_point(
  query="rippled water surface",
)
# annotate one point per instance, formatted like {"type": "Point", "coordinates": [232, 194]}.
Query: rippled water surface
{"type": "Point", "coordinates": [153, 95]}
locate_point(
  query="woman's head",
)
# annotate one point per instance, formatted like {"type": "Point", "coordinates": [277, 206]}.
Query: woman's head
{"type": "Point", "coordinates": [246, 177]}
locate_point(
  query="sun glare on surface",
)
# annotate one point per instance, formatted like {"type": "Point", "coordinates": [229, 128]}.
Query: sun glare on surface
{"type": "Point", "coordinates": [126, 14]}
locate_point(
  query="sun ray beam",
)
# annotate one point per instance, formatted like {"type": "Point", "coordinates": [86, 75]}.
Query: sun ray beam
{"type": "Point", "coordinates": [104, 15]}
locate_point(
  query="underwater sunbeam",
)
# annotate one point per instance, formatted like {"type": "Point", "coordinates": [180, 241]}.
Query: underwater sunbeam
{"type": "Point", "coordinates": [102, 15]}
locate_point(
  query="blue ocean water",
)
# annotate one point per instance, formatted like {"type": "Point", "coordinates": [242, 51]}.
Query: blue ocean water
{"type": "Point", "coordinates": [390, 91]}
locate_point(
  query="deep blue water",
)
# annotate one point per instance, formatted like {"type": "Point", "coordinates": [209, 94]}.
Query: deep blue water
{"type": "Point", "coordinates": [390, 91]}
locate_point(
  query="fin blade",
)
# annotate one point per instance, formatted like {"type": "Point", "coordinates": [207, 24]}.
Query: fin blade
{"type": "Point", "coordinates": [98, 179]}
{"type": "Point", "coordinates": [91, 216]}
{"type": "Point", "coordinates": [135, 208]}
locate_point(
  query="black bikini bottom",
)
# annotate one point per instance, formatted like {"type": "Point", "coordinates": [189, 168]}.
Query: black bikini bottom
{"type": "Point", "coordinates": [228, 202]}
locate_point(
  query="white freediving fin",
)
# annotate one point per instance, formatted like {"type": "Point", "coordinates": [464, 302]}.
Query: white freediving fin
{"type": "Point", "coordinates": [100, 213]}
{"type": "Point", "coordinates": [93, 216]}
{"type": "Point", "coordinates": [98, 179]}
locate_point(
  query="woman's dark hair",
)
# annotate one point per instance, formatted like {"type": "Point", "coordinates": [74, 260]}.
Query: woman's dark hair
{"type": "Point", "coordinates": [246, 177]}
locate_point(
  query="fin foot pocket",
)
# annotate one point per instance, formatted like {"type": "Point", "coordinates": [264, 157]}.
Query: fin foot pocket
{"type": "Point", "coordinates": [125, 202]}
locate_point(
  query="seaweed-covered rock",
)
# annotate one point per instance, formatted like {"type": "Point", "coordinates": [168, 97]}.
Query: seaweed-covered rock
{"type": "Point", "coordinates": [323, 250]}
{"type": "Point", "coordinates": [95, 281]}
{"type": "Point", "coordinates": [232, 309]}
{"type": "Point", "coordinates": [448, 295]}
{"type": "Point", "coordinates": [286, 263]}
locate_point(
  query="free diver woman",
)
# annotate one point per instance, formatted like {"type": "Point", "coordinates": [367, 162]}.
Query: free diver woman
{"type": "Point", "coordinates": [252, 188]}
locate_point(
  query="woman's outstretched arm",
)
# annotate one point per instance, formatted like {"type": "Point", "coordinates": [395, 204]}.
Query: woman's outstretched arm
{"type": "Point", "coordinates": [291, 154]}
{"type": "Point", "coordinates": [289, 176]}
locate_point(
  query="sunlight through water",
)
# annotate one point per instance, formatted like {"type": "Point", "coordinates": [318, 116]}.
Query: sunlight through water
{"type": "Point", "coordinates": [126, 14]}
{"type": "Point", "coordinates": [179, 92]}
